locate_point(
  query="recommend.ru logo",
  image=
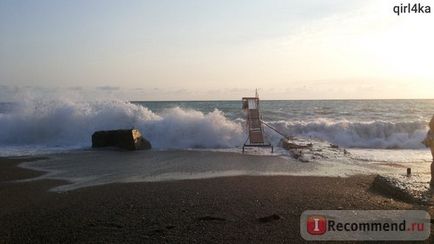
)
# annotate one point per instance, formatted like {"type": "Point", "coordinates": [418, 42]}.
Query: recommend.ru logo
{"type": "Point", "coordinates": [365, 225]}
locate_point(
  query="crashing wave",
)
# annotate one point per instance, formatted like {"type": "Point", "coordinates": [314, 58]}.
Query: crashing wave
{"type": "Point", "coordinates": [60, 123]}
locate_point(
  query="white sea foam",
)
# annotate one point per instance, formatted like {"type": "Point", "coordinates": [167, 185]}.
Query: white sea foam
{"type": "Point", "coordinates": [62, 123]}
{"type": "Point", "coordinates": [70, 124]}
{"type": "Point", "coordinates": [373, 134]}
{"type": "Point", "coordinates": [90, 168]}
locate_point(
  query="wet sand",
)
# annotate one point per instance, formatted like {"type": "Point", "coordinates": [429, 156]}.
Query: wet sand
{"type": "Point", "coordinates": [227, 209]}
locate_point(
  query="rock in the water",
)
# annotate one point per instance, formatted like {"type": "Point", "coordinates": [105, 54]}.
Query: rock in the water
{"type": "Point", "coordinates": [334, 146]}
{"type": "Point", "coordinates": [125, 139]}
{"type": "Point", "coordinates": [289, 145]}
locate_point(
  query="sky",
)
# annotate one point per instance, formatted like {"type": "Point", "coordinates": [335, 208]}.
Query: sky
{"type": "Point", "coordinates": [215, 50]}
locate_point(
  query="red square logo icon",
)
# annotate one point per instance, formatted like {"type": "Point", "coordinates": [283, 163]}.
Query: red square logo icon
{"type": "Point", "coordinates": [316, 225]}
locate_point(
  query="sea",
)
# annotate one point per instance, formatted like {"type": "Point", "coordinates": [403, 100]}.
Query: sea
{"type": "Point", "coordinates": [367, 132]}
{"type": "Point", "coordinates": [34, 126]}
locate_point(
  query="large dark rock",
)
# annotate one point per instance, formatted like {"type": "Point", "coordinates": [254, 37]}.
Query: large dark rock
{"type": "Point", "coordinates": [125, 139]}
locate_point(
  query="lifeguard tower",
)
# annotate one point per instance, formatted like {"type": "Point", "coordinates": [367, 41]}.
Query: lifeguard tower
{"type": "Point", "coordinates": [255, 129]}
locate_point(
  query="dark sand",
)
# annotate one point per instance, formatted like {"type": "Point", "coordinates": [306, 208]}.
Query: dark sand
{"type": "Point", "coordinates": [229, 209]}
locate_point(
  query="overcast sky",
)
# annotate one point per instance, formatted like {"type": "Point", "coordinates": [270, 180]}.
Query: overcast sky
{"type": "Point", "coordinates": [199, 50]}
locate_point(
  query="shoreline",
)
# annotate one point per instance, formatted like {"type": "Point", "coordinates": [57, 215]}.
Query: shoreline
{"type": "Point", "coordinates": [228, 209]}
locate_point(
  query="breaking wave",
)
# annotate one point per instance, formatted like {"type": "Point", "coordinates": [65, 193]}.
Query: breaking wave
{"type": "Point", "coordinates": [69, 124]}
{"type": "Point", "coordinates": [374, 134]}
